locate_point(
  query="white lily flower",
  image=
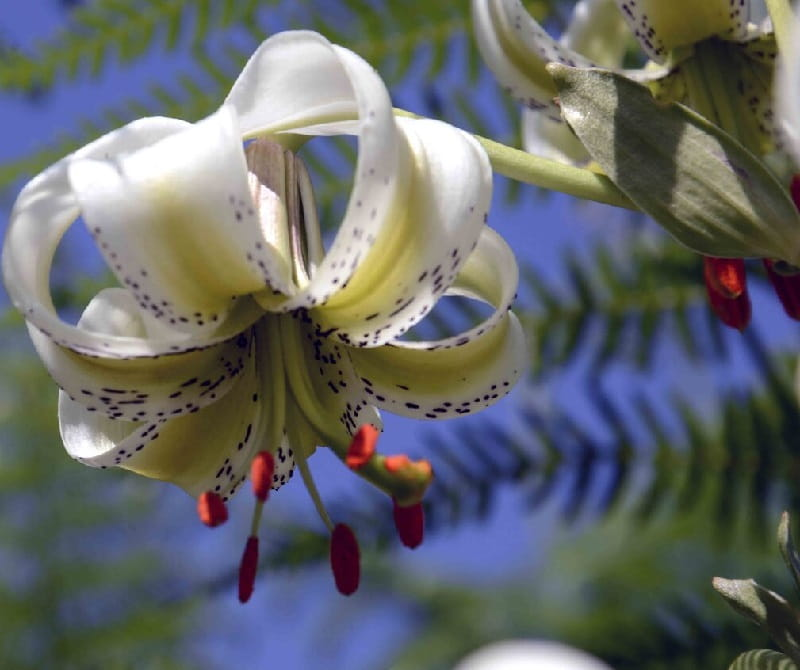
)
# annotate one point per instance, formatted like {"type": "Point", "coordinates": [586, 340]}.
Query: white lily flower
{"type": "Point", "coordinates": [235, 333]}
{"type": "Point", "coordinates": [736, 64]}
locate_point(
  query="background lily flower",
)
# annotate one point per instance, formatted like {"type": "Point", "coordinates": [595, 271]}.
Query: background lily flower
{"type": "Point", "coordinates": [235, 332]}
{"type": "Point", "coordinates": [701, 53]}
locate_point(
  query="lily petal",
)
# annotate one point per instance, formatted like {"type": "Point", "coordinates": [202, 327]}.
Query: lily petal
{"type": "Point", "coordinates": [598, 31]}
{"type": "Point", "coordinates": [178, 224]}
{"type": "Point", "coordinates": [44, 210]}
{"type": "Point", "coordinates": [661, 26]}
{"type": "Point", "coordinates": [323, 383]}
{"type": "Point", "coordinates": [516, 48]}
{"type": "Point", "coordinates": [141, 389]}
{"type": "Point", "coordinates": [423, 243]}
{"type": "Point", "coordinates": [299, 82]}
{"type": "Point", "coordinates": [200, 448]}
{"type": "Point", "coordinates": [463, 373]}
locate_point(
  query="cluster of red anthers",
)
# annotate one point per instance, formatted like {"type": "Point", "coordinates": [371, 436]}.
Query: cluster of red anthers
{"type": "Point", "coordinates": [726, 282]}
{"type": "Point", "coordinates": [344, 552]}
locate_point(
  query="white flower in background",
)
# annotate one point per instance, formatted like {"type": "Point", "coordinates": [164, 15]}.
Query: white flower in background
{"type": "Point", "coordinates": [237, 340]}
{"type": "Point", "coordinates": [738, 65]}
{"type": "Point", "coordinates": [530, 655]}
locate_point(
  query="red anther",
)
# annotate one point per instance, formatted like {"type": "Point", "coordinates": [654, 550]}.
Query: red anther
{"type": "Point", "coordinates": [345, 559]}
{"type": "Point", "coordinates": [787, 286]}
{"type": "Point", "coordinates": [410, 523]}
{"type": "Point", "coordinates": [396, 463]}
{"type": "Point", "coordinates": [247, 569]}
{"type": "Point", "coordinates": [727, 290]}
{"type": "Point", "coordinates": [211, 509]}
{"type": "Point", "coordinates": [794, 190]}
{"type": "Point", "coordinates": [725, 275]}
{"type": "Point", "coordinates": [362, 447]}
{"type": "Point", "coordinates": [261, 470]}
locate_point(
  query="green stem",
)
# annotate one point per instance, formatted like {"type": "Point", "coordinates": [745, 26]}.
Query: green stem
{"type": "Point", "coordinates": [780, 11]}
{"type": "Point", "coordinates": [549, 174]}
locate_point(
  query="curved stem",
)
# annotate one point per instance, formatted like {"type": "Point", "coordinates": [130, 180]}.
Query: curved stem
{"type": "Point", "coordinates": [549, 174]}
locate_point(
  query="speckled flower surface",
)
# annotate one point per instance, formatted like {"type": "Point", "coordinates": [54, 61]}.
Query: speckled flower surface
{"type": "Point", "coordinates": [700, 54]}
{"type": "Point", "coordinates": [234, 330]}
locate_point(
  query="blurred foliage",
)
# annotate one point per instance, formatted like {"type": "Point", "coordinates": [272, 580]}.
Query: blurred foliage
{"type": "Point", "coordinates": [654, 493]}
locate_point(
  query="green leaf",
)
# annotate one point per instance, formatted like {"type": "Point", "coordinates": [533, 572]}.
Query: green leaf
{"type": "Point", "coordinates": [693, 178]}
{"type": "Point", "coordinates": [762, 659]}
{"type": "Point", "coordinates": [788, 551]}
{"type": "Point", "coordinates": [766, 608]}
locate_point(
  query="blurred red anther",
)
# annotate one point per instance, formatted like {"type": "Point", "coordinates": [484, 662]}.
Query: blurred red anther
{"type": "Point", "coordinates": [362, 447]}
{"type": "Point", "coordinates": [727, 290]}
{"type": "Point", "coordinates": [211, 509]}
{"type": "Point", "coordinates": [247, 569]}
{"type": "Point", "coordinates": [787, 286]}
{"type": "Point", "coordinates": [345, 559]}
{"type": "Point", "coordinates": [794, 190]}
{"type": "Point", "coordinates": [261, 470]}
{"type": "Point", "coordinates": [396, 462]}
{"type": "Point", "coordinates": [410, 523]}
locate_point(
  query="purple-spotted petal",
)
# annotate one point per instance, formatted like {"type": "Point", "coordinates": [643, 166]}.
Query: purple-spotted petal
{"type": "Point", "coordinates": [299, 82]}
{"type": "Point", "coordinates": [516, 48]}
{"type": "Point", "coordinates": [424, 242]}
{"type": "Point", "coordinates": [663, 26]}
{"type": "Point", "coordinates": [44, 210]}
{"type": "Point", "coordinates": [139, 389]}
{"type": "Point", "coordinates": [178, 223]}
{"type": "Point", "coordinates": [463, 373]}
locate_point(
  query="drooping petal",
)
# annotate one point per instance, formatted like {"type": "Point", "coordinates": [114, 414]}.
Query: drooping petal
{"type": "Point", "coordinates": [516, 48]}
{"type": "Point", "coordinates": [662, 26]}
{"type": "Point", "coordinates": [201, 449]}
{"type": "Point", "coordinates": [463, 373]}
{"type": "Point", "coordinates": [323, 382]}
{"type": "Point", "coordinates": [429, 235]}
{"type": "Point", "coordinates": [299, 82]}
{"type": "Point", "coordinates": [141, 389]}
{"type": "Point", "coordinates": [44, 210]}
{"type": "Point", "coordinates": [178, 224]}
{"type": "Point", "coordinates": [542, 136]}
{"type": "Point", "coordinates": [597, 31]}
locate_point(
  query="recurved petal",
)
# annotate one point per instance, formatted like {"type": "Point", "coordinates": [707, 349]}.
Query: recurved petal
{"type": "Point", "coordinates": [208, 449]}
{"type": "Point", "coordinates": [542, 136]}
{"type": "Point", "coordinates": [423, 242]}
{"type": "Point", "coordinates": [139, 389]}
{"type": "Point", "coordinates": [298, 82]}
{"type": "Point", "coordinates": [662, 26]}
{"type": "Point", "coordinates": [178, 224]}
{"type": "Point", "coordinates": [463, 373]}
{"type": "Point", "coordinates": [44, 210]}
{"type": "Point", "coordinates": [516, 48]}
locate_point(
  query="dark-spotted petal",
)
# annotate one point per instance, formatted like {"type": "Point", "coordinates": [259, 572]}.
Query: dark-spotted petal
{"type": "Point", "coordinates": [200, 436]}
{"type": "Point", "coordinates": [663, 26]}
{"type": "Point", "coordinates": [178, 224]}
{"type": "Point", "coordinates": [424, 240]}
{"type": "Point", "coordinates": [299, 82]}
{"type": "Point", "coordinates": [516, 48]}
{"type": "Point", "coordinates": [466, 372]}
{"type": "Point", "coordinates": [139, 389]}
{"type": "Point", "coordinates": [44, 210]}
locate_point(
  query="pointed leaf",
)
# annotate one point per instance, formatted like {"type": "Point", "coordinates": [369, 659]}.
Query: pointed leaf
{"type": "Point", "coordinates": [694, 179]}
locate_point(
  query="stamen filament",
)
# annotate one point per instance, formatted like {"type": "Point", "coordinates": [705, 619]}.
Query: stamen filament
{"type": "Point", "coordinates": [311, 487]}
